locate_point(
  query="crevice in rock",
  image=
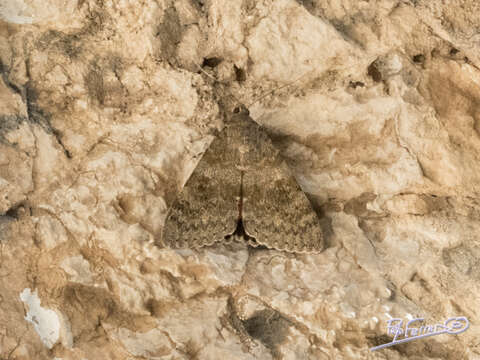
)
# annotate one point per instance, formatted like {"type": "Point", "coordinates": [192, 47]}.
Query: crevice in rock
{"type": "Point", "coordinates": [18, 210]}
{"type": "Point", "coordinates": [9, 123]}
{"type": "Point", "coordinates": [12, 86]}
{"type": "Point", "coordinates": [240, 74]}
{"type": "Point", "coordinates": [374, 72]}
{"type": "Point", "coordinates": [355, 84]}
{"type": "Point", "coordinates": [212, 62]}
{"type": "Point", "coordinates": [36, 116]}
{"type": "Point", "coordinates": [269, 327]}
{"type": "Point", "coordinates": [419, 58]}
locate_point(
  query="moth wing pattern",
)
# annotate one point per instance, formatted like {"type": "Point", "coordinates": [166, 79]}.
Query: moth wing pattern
{"type": "Point", "coordinates": [207, 207]}
{"type": "Point", "coordinates": [242, 175]}
{"type": "Point", "coordinates": [276, 212]}
{"type": "Point", "coordinates": [288, 221]}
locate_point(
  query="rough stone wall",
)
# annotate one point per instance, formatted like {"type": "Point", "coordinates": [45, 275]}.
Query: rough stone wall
{"type": "Point", "coordinates": [105, 106]}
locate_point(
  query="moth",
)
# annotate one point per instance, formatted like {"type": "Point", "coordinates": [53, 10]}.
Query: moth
{"type": "Point", "coordinates": [243, 189]}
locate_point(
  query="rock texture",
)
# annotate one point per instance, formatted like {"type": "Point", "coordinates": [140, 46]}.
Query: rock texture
{"type": "Point", "coordinates": [105, 108]}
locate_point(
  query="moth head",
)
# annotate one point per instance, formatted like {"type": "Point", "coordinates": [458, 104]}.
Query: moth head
{"type": "Point", "coordinates": [241, 110]}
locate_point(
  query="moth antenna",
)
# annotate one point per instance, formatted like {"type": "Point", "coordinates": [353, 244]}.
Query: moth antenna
{"type": "Point", "coordinates": [261, 96]}
{"type": "Point", "coordinates": [279, 88]}
{"type": "Point", "coordinates": [210, 76]}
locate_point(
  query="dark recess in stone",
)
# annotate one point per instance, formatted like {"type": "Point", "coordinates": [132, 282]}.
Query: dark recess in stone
{"type": "Point", "coordinates": [12, 212]}
{"type": "Point", "coordinates": [355, 84]}
{"type": "Point", "coordinates": [240, 74]}
{"type": "Point", "coordinates": [268, 326]}
{"type": "Point", "coordinates": [374, 73]}
{"type": "Point", "coordinates": [37, 116]}
{"type": "Point", "coordinates": [454, 51]}
{"type": "Point", "coordinates": [309, 5]}
{"type": "Point", "coordinates": [18, 210]}
{"type": "Point", "coordinates": [211, 62]}
{"type": "Point", "coordinates": [3, 73]}
{"type": "Point", "coordinates": [419, 58]}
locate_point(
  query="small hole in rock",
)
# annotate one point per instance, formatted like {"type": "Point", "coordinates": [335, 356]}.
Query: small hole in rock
{"type": "Point", "coordinates": [374, 73]}
{"type": "Point", "coordinates": [240, 74]}
{"type": "Point", "coordinates": [419, 58]}
{"type": "Point", "coordinates": [269, 327]}
{"type": "Point", "coordinates": [16, 211]}
{"type": "Point", "coordinates": [355, 84]}
{"type": "Point", "coordinates": [211, 62]}
{"type": "Point", "coordinates": [12, 213]}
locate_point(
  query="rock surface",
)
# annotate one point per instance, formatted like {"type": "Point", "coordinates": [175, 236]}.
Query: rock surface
{"type": "Point", "coordinates": [105, 107]}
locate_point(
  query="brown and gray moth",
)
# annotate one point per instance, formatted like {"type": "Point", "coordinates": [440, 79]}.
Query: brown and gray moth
{"type": "Point", "coordinates": [243, 189]}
